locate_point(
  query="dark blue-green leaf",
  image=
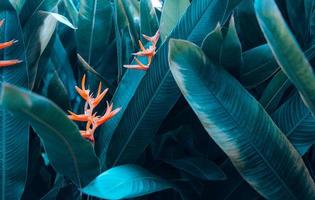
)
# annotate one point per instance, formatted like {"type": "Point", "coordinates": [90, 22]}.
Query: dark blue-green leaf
{"type": "Point", "coordinates": [286, 50]}
{"type": "Point", "coordinates": [125, 181]}
{"type": "Point", "coordinates": [68, 152]}
{"type": "Point", "coordinates": [14, 133]}
{"type": "Point", "coordinates": [257, 148]}
{"type": "Point", "coordinates": [198, 167]}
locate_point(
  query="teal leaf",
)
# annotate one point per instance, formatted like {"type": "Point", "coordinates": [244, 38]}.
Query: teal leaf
{"type": "Point", "coordinates": [257, 148]}
{"type": "Point", "coordinates": [60, 18]}
{"type": "Point", "coordinates": [286, 50]}
{"type": "Point", "coordinates": [94, 29]}
{"type": "Point", "coordinates": [297, 122]}
{"type": "Point", "coordinates": [74, 157]}
{"type": "Point", "coordinates": [17, 5]}
{"type": "Point", "coordinates": [147, 104]}
{"type": "Point", "coordinates": [148, 18]}
{"type": "Point", "coordinates": [14, 133]}
{"type": "Point", "coordinates": [172, 12]}
{"type": "Point", "coordinates": [258, 66]}
{"type": "Point", "coordinates": [125, 181]}
{"type": "Point", "coordinates": [224, 50]}
{"type": "Point", "coordinates": [198, 167]}
{"type": "Point", "coordinates": [274, 91]}
{"type": "Point", "coordinates": [31, 9]}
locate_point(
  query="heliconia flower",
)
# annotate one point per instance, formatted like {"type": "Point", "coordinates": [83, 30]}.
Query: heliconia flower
{"type": "Point", "coordinates": [108, 114]}
{"type": "Point", "coordinates": [153, 39]}
{"type": "Point", "coordinates": [83, 92]}
{"type": "Point", "coordinates": [92, 120]}
{"type": "Point", "coordinates": [149, 53]}
{"type": "Point", "coordinates": [139, 66]}
{"type": "Point", "coordinates": [7, 63]}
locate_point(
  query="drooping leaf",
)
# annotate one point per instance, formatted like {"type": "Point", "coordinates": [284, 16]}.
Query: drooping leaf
{"type": "Point", "coordinates": [60, 18]}
{"type": "Point", "coordinates": [148, 18]}
{"type": "Point", "coordinates": [125, 181]}
{"type": "Point", "coordinates": [14, 133]}
{"type": "Point", "coordinates": [172, 11]}
{"type": "Point", "coordinates": [72, 11]}
{"type": "Point", "coordinates": [257, 148]}
{"type": "Point", "coordinates": [286, 50]}
{"type": "Point", "coordinates": [147, 104]}
{"type": "Point", "coordinates": [74, 157]}
{"type": "Point", "coordinates": [198, 167]}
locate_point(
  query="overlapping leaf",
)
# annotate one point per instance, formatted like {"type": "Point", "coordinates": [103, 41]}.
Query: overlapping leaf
{"type": "Point", "coordinates": [257, 148]}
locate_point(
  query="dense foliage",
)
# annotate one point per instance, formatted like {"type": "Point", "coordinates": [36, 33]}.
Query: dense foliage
{"type": "Point", "coordinates": [196, 99]}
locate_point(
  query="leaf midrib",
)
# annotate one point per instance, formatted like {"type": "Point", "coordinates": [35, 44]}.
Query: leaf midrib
{"type": "Point", "coordinates": [157, 90]}
{"type": "Point", "coordinates": [74, 159]}
{"type": "Point", "coordinates": [246, 138]}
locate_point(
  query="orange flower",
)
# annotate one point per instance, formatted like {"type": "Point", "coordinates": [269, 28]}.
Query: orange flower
{"type": "Point", "coordinates": [6, 63]}
{"type": "Point", "coordinates": [149, 53]}
{"type": "Point", "coordinates": [92, 120]}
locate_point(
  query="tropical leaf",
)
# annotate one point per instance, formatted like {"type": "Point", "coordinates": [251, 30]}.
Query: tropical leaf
{"type": "Point", "coordinates": [31, 9]}
{"type": "Point", "coordinates": [297, 122]}
{"type": "Point", "coordinates": [37, 33]}
{"type": "Point", "coordinates": [17, 5]}
{"type": "Point", "coordinates": [172, 11]}
{"type": "Point", "coordinates": [157, 93]}
{"type": "Point", "coordinates": [55, 90]}
{"type": "Point", "coordinates": [278, 85]}
{"type": "Point", "coordinates": [258, 66]}
{"type": "Point", "coordinates": [198, 167]}
{"type": "Point", "coordinates": [257, 148]}
{"type": "Point", "coordinates": [94, 29]}
{"type": "Point", "coordinates": [74, 157]}
{"type": "Point", "coordinates": [14, 133]}
{"type": "Point", "coordinates": [60, 18]}
{"type": "Point", "coordinates": [148, 18]}
{"type": "Point", "coordinates": [274, 91]}
{"type": "Point", "coordinates": [72, 11]}
{"type": "Point", "coordinates": [125, 181]}
{"type": "Point", "coordinates": [286, 50]}
{"type": "Point", "coordinates": [224, 50]}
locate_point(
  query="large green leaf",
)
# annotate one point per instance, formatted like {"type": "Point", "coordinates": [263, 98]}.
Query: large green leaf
{"type": "Point", "coordinates": [172, 11]}
{"type": "Point", "coordinates": [147, 104]}
{"type": "Point", "coordinates": [94, 29]}
{"type": "Point", "coordinates": [125, 181]}
{"type": "Point", "coordinates": [67, 151]}
{"type": "Point", "coordinates": [14, 133]}
{"type": "Point", "coordinates": [297, 122]}
{"type": "Point", "coordinates": [257, 148]}
{"type": "Point", "coordinates": [286, 50]}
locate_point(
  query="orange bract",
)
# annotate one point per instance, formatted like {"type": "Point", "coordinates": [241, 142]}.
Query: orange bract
{"type": "Point", "coordinates": [149, 53]}
{"type": "Point", "coordinates": [92, 120]}
{"type": "Point", "coordinates": [6, 63]}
